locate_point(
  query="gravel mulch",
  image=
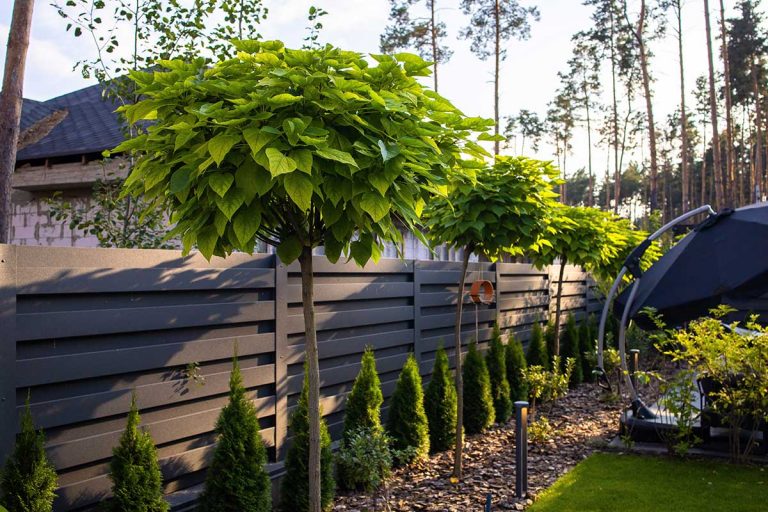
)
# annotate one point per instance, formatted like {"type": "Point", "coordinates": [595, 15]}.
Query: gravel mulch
{"type": "Point", "coordinates": [583, 422]}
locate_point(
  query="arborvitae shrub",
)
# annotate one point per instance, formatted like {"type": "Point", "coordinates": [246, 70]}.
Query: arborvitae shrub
{"type": "Point", "coordinates": [518, 386]}
{"type": "Point", "coordinates": [237, 479]}
{"type": "Point", "coordinates": [478, 402]}
{"type": "Point", "coordinates": [588, 349]}
{"type": "Point", "coordinates": [571, 348]}
{"type": "Point", "coordinates": [28, 479]}
{"type": "Point", "coordinates": [407, 425]}
{"type": "Point", "coordinates": [440, 405]}
{"type": "Point", "coordinates": [294, 491]}
{"type": "Point", "coordinates": [537, 354]}
{"type": "Point", "coordinates": [365, 399]}
{"type": "Point", "coordinates": [549, 342]}
{"type": "Point", "coordinates": [496, 361]}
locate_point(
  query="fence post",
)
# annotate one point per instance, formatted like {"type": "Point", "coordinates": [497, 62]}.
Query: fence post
{"type": "Point", "coordinates": [634, 366]}
{"type": "Point", "coordinates": [8, 416]}
{"type": "Point", "coordinates": [417, 345]}
{"type": "Point", "coordinates": [521, 449]}
{"type": "Point", "coordinates": [281, 355]}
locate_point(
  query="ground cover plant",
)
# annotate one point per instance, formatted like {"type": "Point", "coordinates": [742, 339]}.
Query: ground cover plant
{"type": "Point", "coordinates": [609, 482]}
{"type": "Point", "coordinates": [297, 149]}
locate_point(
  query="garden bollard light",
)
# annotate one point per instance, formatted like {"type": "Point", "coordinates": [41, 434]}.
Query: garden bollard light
{"type": "Point", "coordinates": [634, 366]}
{"type": "Point", "coordinates": [521, 449]}
{"type": "Point", "coordinates": [488, 502]}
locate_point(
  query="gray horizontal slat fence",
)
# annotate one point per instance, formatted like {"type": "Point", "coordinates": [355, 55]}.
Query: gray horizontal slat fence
{"type": "Point", "coordinates": [83, 329]}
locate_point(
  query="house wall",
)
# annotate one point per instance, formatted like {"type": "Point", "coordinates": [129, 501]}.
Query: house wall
{"type": "Point", "coordinates": [31, 223]}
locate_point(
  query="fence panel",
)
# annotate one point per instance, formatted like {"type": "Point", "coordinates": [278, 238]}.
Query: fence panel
{"type": "Point", "coordinates": [82, 330]}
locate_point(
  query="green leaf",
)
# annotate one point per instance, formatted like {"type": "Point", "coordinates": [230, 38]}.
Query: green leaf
{"type": "Point", "coordinates": [257, 138]}
{"type": "Point", "coordinates": [229, 204]}
{"type": "Point", "coordinates": [253, 180]}
{"type": "Point", "coordinates": [281, 100]}
{"type": "Point", "coordinates": [374, 205]}
{"type": "Point", "coordinates": [336, 155]}
{"type": "Point", "coordinates": [388, 152]}
{"type": "Point", "coordinates": [146, 109]}
{"type": "Point", "coordinates": [279, 163]}
{"type": "Point", "coordinates": [289, 249]}
{"type": "Point", "coordinates": [333, 249]}
{"type": "Point", "coordinates": [220, 145]}
{"type": "Point", "coordinates": [206, 241]}
{"type": "Point", "coordinates": [303, 159]}
{"type": "Point", "coordinates": [299, 188]}
{"type": "Point", "coordinates": [246, 223]}
{"type": "Point", "coordinates": [360, 250]}
{"type": "Point", "coordinates": [180, 180]}
{"type": "Point", "coordinates": [220, 182]}
{"type": "Point", "coordinates": [182, 137]}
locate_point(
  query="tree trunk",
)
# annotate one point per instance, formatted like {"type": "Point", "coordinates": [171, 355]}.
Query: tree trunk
{"type": "Point", "coordinates": [759, 135]}
{"type": "Point", "coordinates": [10, 106]}
{"type": "Point", "coordinates": [433, 33]}
{"type": "Point", "coordinates": [497, 25]}
{"type": "Point", "coordinates": [729, 147]}
{"type": "Point", "coordinates": [717, 161]}
{"type": "Point", "coordinates": [457, 454]}
{"type": "Point", "coordinates": [616, 169]}
{"type": "Point", "coordinates": [704, 164]}
{"type": "Point", "coordinates": [684, 170]}
{"type": "Point", "coordinates": [590, 186]}
{"type": "Point", "coordinates": [558, 309]}
{"type": "Point", "coordinates": [654, 175]}
{"type": "Point", "coordinates": [307, 297]}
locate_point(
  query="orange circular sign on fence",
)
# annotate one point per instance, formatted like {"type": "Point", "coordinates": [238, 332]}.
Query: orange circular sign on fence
{"type": "Point", "coordinates": [481, 292]}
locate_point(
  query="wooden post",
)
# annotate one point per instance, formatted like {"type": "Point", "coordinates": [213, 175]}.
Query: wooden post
{"type": "Point", "coordinates": [10, 106]}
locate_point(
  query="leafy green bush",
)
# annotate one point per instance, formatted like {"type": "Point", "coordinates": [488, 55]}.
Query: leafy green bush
{"type": "Point", "coordinates": [496, 361]}
{"type": "Point", "coordinates": [571, 349]}
{"type": "Point", "coordinates": [440, 405]}
{"type": "Point", "coordinates": [478, 402]}
{"type": "Point", "coordinates": [408, 425]}
{"type": "Point", "coordinates": [28, 479]}
{"type": "Point", "coordinates": [364, 401]}
{"type": "Point", "coordinates": [537, 354]}
{"type": "Point", "coordinates": [294, 491]}
{"type": "Point", "coordinates": [364, 460]}
{"type": "Point", "coordinates": [237, 479]}
{"type": "Point", "coordinates": [548, 386]}
{"type": "Point", "coordinates": [518, 387]}
{"type": "Point", "coordinates": [137, 484]}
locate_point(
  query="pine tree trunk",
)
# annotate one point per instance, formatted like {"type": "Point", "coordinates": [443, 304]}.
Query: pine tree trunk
{"type": "Point", "coordinates": [759, 136]}
{"type": "Point", "coordinates": [684, 169]}
{"type": "Point", "coordinates": [730, 150]}
{"type": "Point", "coordinates": [616, 167]}
{"type": "Point", "coordinates": [654, 175]}
{"type": "Point", "coordinates": [558, 308]}
{"type": "Point", "coordinates": [590, 186]}
{"type": "Point", "coordinates": [717, 161]}
{"type": "Point", "coordinates": [497, 25]}
{"type": "Point", "coordinates": [307, 297]}
{"type": "Point", "coordinates": [433, 33]}
{"type": "Point", "coordinates": [457, 454]}
{"type": "Point", "coordinates": [704, 164]}
{"type": "Point", "coordinates": [10, 106]}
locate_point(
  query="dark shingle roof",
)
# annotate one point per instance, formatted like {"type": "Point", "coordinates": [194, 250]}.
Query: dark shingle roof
{"type": "Point", "coordinates": [91, 125]}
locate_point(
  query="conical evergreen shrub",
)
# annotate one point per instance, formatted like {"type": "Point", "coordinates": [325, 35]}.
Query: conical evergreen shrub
{"type": "Point", "coordinates": [237, 479]}
{"type": "Point", "coordinates": [518, 386]}
{"type": "Point", "coordinates": [28, 479]}
{"type": "Point", "coordinates": [537, 354]}
{"type": "Point", "coordinates": [407, 425]}
{"type": "Point", "coordinates": [364, 401]}
{"type": "Point", "coordinates": [478, 402]}
{"type": "Point", "coordinates": [588, 349]}
{"type": "Point", "coordinates": [549, 342]}
{"type": "Point", "coordinates": [571, 348]}
{"type": "Point", "coordinates": [440, 405]}
{"type": "Point", "coordinates": [294, 491]}
{"type": "Point", "coordinates": [496, 361]}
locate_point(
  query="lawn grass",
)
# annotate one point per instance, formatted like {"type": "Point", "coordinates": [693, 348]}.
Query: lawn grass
{"type": "Point", "coordinates": [616, 482]}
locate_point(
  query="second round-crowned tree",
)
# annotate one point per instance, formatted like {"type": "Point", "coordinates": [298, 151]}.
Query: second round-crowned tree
{"type": "Point", "coordinates": [296, 149]}
{"type": "Point", "coordinates": [503, 210]}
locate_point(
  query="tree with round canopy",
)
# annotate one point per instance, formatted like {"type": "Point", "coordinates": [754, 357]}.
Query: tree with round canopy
{"type": "Point", "coordinates": [502, 210]}
{"type": "Point", "coordinates": [298, 149]}
{"type": "Point", "coordinates": [597, 241]}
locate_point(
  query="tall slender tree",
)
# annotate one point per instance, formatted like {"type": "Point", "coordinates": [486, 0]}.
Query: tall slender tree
{"type": "Point", "coordinates": [684, 158]}
{"type": "Point", "coordinates": [10, 105]}
{"type": "Point", "coordinates": [730, 149]}
{"type": "Point", "coordinates": [717, 169]}
{"type": "Point", "coordinates": [492, 23]}
{"type": "Point", "coordinates": [424, 34]}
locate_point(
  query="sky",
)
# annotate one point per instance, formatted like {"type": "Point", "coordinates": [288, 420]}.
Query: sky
{"type": "Point", "coordinates": [528, 79]}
